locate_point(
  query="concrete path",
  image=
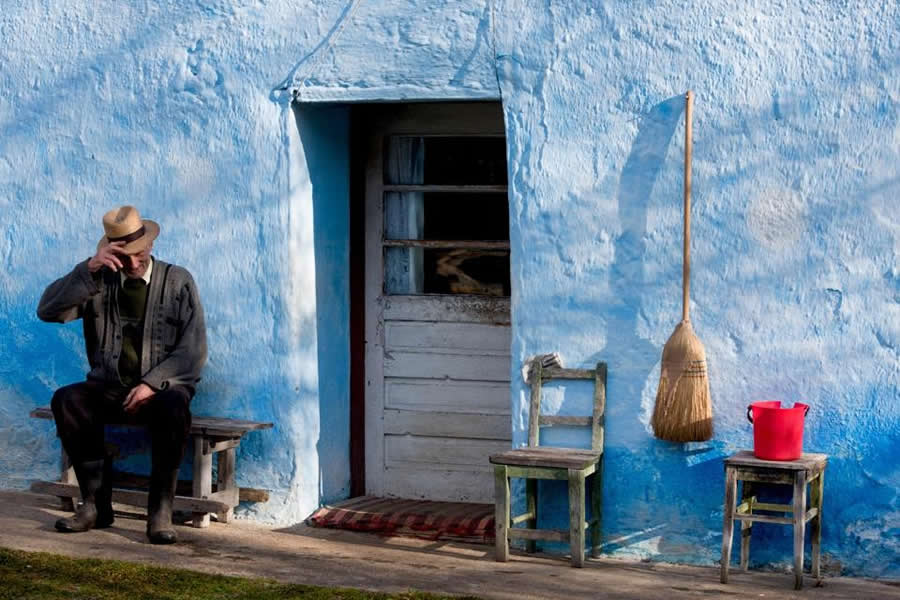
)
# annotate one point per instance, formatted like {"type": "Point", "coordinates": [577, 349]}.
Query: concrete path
{"type": "Point", "coordinates": [338, 558]}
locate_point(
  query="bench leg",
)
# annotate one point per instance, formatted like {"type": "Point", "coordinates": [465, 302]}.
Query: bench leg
{"type": "Point", "coordinates": [799, 518]}
{"type": "Point", "coordinates": [576, 516]}
{"type": "Point", "coordinates": [728, 521]}
{"type": "Point", "coordinates": [67, 475]}
{"type": "Point", "coordinates": [226, 481]}
{"type": "Point", "coordinates": [501, 513]}
{"type": "Point", "coordinates": [202, 487]}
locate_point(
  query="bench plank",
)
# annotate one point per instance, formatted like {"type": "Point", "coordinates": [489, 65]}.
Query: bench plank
{"type": "Point", "coordinates": [130, 480]}
{"type": "Point", "coordinates": [208, 426]}
{"type": "Point", "coordinates": [131, 497]}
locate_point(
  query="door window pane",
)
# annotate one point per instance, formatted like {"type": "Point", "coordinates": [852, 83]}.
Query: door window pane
{"type": "Point", "coordinates": [446, 271]}
{"type": "Point", "coordinates": [446, 216]}
{"type": "Point", "coordinates": [445, 161]}
{"type": "Point", "coordinates": [466, 271]}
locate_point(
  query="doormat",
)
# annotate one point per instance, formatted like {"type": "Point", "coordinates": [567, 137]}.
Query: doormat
{"type": "Point", "coordinates": [429, 519]}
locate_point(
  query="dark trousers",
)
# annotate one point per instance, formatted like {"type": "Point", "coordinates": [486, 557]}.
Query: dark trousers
{"type": "Point", "coordinates": [81, 411]}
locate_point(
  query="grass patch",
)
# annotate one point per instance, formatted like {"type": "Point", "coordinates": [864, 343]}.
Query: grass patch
{"type": "Point", "coordinates": [41, 576]}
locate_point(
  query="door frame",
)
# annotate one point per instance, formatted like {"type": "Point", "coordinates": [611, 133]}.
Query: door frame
{"type": "Point", "coordinates": [375, 123]}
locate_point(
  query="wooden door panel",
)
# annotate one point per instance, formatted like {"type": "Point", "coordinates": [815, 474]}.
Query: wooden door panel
{"type": "Point", "coordinates": [449, 485]}
{"type": "Point", "coordinates": [447, 424]}
{"type": "Point", "coordinates": [440, 395]}
{"type": "Point", "coordinates": [430, 365]}
{"type": "Point", "coordinates": [466, 309]}
{"type": "Point", "coordinates": [452, 337]}
{"type": "Point", "coordinates": [440, 452]}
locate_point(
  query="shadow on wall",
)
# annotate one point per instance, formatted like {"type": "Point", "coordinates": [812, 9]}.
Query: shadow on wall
{"type": "Point", "coordinates": [642, 168]}
{"type": "Point", "coordinates": [644, 524]}
{"type": "Point", "coordinates": [324, 135]}
{"type": "Point", "coordinates": [635, 509]}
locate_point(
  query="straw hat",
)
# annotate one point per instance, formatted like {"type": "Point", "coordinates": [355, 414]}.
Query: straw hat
{"type": "Point", "coordinates": [124, 224]}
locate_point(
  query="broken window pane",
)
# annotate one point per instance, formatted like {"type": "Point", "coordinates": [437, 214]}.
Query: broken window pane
{"type": "Point", "coordinates": [467, 271]}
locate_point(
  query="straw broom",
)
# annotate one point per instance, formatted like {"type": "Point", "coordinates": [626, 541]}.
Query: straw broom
{"type": "Point", "coordinates": [683, 411]}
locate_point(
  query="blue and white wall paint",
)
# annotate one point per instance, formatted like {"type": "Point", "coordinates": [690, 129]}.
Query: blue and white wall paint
{"type": "Point", "coordinates": [184, 108]}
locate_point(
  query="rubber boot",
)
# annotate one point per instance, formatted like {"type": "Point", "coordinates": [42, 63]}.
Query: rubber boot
{"type": "Point", "coordinates": [159, 507]}
{"type": "Point", "coordinates": [103, 498]}
{"type": "Point", "coordinates": [90, 475]}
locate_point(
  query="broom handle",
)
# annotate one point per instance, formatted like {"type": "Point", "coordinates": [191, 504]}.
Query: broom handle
{"type": "Point", "coordinates": [688, 147]}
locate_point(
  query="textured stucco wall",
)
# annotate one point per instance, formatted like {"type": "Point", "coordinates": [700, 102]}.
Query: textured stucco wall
{"type": "Point", "coordinates": [796, 235]}
{"type": "Point", "coordinates": [174, 107]}
{"type": "Point", "coordinates": [796, 289]}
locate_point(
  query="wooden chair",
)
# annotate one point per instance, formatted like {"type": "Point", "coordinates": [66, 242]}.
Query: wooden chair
{"type": "Point", "coordinates": [567, 464]}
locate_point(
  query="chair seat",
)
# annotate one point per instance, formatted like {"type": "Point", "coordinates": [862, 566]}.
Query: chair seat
{"type": "Point", "coordinates": [554, 458]}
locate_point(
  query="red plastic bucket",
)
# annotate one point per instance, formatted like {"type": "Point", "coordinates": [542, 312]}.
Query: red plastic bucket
{"type": "Point", "coordinates": [777, 431]}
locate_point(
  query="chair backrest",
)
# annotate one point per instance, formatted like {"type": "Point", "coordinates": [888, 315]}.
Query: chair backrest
{"type": "Point", "coordinates": [538, 375]}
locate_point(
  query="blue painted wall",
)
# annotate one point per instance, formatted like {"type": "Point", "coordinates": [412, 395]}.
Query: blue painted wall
{"type": "Point", "coordinates": [185, 110]}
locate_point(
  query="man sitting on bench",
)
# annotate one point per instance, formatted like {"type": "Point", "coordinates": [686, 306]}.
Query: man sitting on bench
{"type": "Point", "coordinates": [146, 345]}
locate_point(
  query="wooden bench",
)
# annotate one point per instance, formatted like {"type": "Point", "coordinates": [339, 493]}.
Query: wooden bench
{"type": "Point", "coordinates": [211, 435]}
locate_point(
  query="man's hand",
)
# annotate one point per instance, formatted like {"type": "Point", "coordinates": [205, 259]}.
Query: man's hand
{"type": "Point", "coordinates": [107, 256]}
{"type": "Point", "coordinates": [137, 397]}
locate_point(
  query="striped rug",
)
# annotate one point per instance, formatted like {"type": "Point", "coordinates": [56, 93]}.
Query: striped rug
{"type": "Point", "coordinates": [458, 521]}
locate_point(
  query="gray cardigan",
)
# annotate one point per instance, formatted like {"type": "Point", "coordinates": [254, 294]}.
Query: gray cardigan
{"type": "Point", "coordinates": [174, 339]}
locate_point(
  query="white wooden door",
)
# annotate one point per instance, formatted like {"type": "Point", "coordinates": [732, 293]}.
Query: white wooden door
{"type": "Point", "coordinates": [437, 327]}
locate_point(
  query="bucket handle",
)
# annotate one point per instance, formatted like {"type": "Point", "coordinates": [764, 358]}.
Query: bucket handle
{"type": "Point", "coordinates": [750, 412]}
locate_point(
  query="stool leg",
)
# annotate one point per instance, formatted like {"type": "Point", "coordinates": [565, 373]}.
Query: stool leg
{"type": "Point", "coordinates": [531, 507]}
{"type": "Point", "coordinates": [596, 509]}
{"type": "Point", "coordinates": [576, 516]}
{"type": "Point", "coordinates": [817, 489]}
{"type": "Point", "coordinates": [746, 526]}
{"type": "Point", "coordinates": [728, 520]}
{"type": "Point", "coordinates": [501, 513]}
{"type": "Point", "coordinates": [799, 518]}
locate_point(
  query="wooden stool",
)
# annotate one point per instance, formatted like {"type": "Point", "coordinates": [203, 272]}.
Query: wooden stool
{"type": "Point", "coordinates": [744, 466]}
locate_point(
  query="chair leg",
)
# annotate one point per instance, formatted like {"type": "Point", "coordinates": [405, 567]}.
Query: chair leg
{"type": "Point", "coordinates": [596, 509]}
{"type": "Point", "coordinates": [817, 489]}
{"type": "Point", "coordinates": [501, 513]}
{"type": "Point", "coordinates": [799, 518]}
{"type": "Point", "coordinates": [746, 526]}
{"type": "Point", "coordinates": [531, 507]}
{"type": "Point", "coordinates": [728, 520]}
{"type": "Point", "coordinates": [576, 516]}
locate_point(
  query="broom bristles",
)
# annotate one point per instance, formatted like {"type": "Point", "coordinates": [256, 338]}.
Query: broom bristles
{"type": "Point", "coordinates": [683, 410]}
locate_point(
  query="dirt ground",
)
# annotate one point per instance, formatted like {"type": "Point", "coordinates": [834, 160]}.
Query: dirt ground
{"type": "Point", "coordinates": [300, 554]}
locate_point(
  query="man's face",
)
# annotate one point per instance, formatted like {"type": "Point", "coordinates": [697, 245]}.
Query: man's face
{"type": "Point", "coordinates": [135, 265]}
